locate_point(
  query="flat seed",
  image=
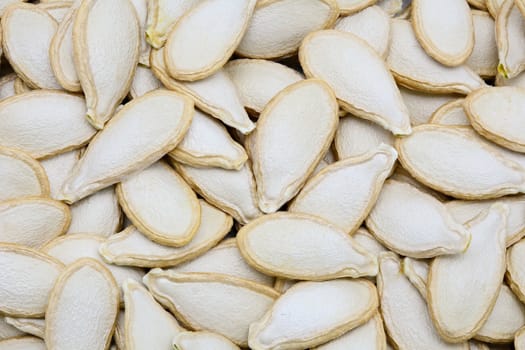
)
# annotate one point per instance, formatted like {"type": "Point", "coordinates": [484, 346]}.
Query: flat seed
{"type": "Point", "coordinates": [417, 273]}
{"type": "Point", "coordinates": [451, 113]}
{"type": "Point", "coordinates": [422, 105]}
{"type": "Point", "coordinates": [447, 38]}
{"type": "Point", "coordinates": [57, 9]}
{"type": "Point", "coordinates": [258, 81]}
{"type": "Point", "coordinates": [142, 311]}
{"type": "Point", "coordinates": [451, 161]}
{"type": "Point", "coordinates": [307, 113]}
{"type": "Point", "coordinates": [202, 341]}
{"type": "Point", "coordinates": [26, 34]}
{"type": "Point", "coordinates": [130, 247]}
{"type": "Point", "coordinates": [7, 85]}
{"type": "Point", "coordinates": [225, 259]}
{"type": "Point", "coordinates": [350, 6]}
{"type": "Point", "coordinates": [208, 143]}
{"type": "Point", "coordinates": [343, 305]}
{"type": "Point", "coordinates": [515, 271]}
{"type": "Point", "coordinates": [368, 242]}
{"type": "Point", "coordinates": [349, 77]}
{"type": "Point", "coordinates": [484, 108]}
{"type": "Point", "coordinates": [22, 176]}
{"type": "Point", "coordinates": [484, 57]}
{"type": "Point", "coordinates": [160, 204]}
{"type": "Point", "coordinates": [413, 68]}
{"type": "Point", "coordinates": [82, 315]}
{"type": "Point", "coordinates": [8, 331]}
{"type": "Point", "coordinates": [301, 246]}
{"type": "Point", "coordinates": [403, 307]}
{"type": "Point", "coordinates": [141, 6]}
{"type": "Point", "coordinates": [130, 142]}
{"type": "Point", "coordinates": [44, 123]}
{"type": "Point", "coordinates": [27, 281]}
{"type": "Point", "coordinates": [519, 339]}
{"type": "Point", "coordinates": [23, 343]}
{"type": "Point", "coordinates": [275, 30]}
{"type": "Point", "coordinates": [33, 326]}
{"type": "Point", "coordinates": [190, 297]}
{"type": "Point", "coordinates": [510, 40]}
{"type": "Point", "coordinates": [32, 221]}
{"type": "Point", "coordinates": [58, 168]}
{"type": "Point", "coordinates": [431, 232]}
{"type": "Point", "coordinates": [344, 192]}
{"type": "Point", "coordinates": [194, 52]}
{"type": "Point", "coordinates": [468, 284]}
{"type": "Point", "coordinates": [106, 52]}
{"type": "Point", "coordinates": [143, 82]}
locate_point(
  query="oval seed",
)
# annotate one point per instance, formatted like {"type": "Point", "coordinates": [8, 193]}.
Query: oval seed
{"type": "Point", "coordinates": [58, 168]}
{"type": "Point", "coordinates": [141, 6]}
{"type": "Point", "coordinates": [143, 82]}
{"type": "Point", "coordinates": [449, 160]}
{"type": "Point", "coordinates": [233, 191]}
{"type": "Point", "coordinates": [27, 281]}
{"type": "Point", "coordinates": [349, 77]}
{"type": "Point", "coordinates": [506, 318]}
{"type": "Point", "coordinates": [33, 326]}
{"type": "Point", "coordinates": [258, 81]}
{"type": "Point", "coordinates": [215, 95]}
{"type": "Point", "coordinates": [417, 273]}
{"type": "Point", "coordinates": [451, 113]}
{"type": "Point", "coordinates": [44, 123]}
{"type": "Point", "coordinates": [142, 312]}
{"type": "Point", "coordinates": [130, 142]}
{"type": "Point", "coordinates": [301, 246]}
{"type": "Point", "coordinates": [515, 270]}
{"type": "Point", "coordinates": [106, 53]}
{"type": "Point", "coordinates": [351, 6]}
{"type": "Point", "coordinates": [208, 143]}
{"type": "Point", "coordinates": [468, 284]}
{"type": "Point", "coordinates": [275, 30]}
{"type": "Point", "coordinates": [368, 242]}
{"type": "Point", "coordinates": [191, 296]}
{"type": "Point", "coordinates": [464, 211]}
{"type": "Point", "coordinates": [7, 85]}
{"type": "Point", "coordinates": [510, 40]}
{"type": "Point", "coordinates": [403, 307]}
{"type": "Point", "coordinates": [193, 51]}
{"type": "Point", "coordinates": [429, 232]}
{"type": "Point", "coordinates": [32, 221]}
{"type": "Point", "coordinates": [23, 343]}
{"type": "Point", "coordinates": [447, 38]}
{"type": "Point", "coordinates": [413, 68]}
{"type": "Point", "coordinates": [345, 191]}
{"type": "Point", "coordinates": [131, 247]}
{"type": "Point", "coordinates": [307, 113]}
{"type": "Point", "coordinates": [82, 315]}
{"type": "Point", "coordinates": [225, 259]}
{"type": "Point", "coordinates": [484, 57]}
{"type": "Point", "coordinates": [360, 24]}
{"type": "Point", "coordinates": [356, 137]}
{"type": "Point", "coordinates": [22, 176]}
{"type": "Point", "coordinates": [98, 214]}
{"type": "Point", "coordinates": [160, 204]}
{"type": "Point", "coordinates": [202, 341]}
{"type": "Point", "coordinates": [422, 105]}
{"type": "Point", "coordinates": [342, 305]}
{"type": "Point", "coordinates": [26, 34]}
{"type": "Point", "coordinates": [484, 108]}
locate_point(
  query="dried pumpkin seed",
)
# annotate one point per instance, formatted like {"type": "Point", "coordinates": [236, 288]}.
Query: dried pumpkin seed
{"type": "Point", "coordinates": [143, 82]}
{"type": "Point", "coordinates": [7, 85]}
{"type": "Point", "coordinates": [515, 272]}
{"type": "Point", "coordinates": [351, 6]}
{"type": "Point", "coordinates": [451, 113]}
{"type": "Point", "coordinates": [484, 57]}
{"type": "Point", "coordinates": [510, 40]}
{"type": "Point", "coordinates": [58, 168]}
{"type": "Point", "coordinates": [202, 341]}
{"type": "Point", "coordinates": [61, 54]}
{"type": "Point", "coordinates": [23, 343]}
{"type": "Point", "coordinates": [33, 326]}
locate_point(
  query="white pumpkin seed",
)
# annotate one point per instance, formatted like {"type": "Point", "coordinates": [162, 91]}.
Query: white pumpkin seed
{"type": "Point", "coordinates": [484, 108]}
{"type": "Point", "coordinates": [202, 341]}
{"type": "Point", "coordinates": [4, 4]}
{"type": "Point", "coordinates": [451, 113]}
{"type": "Point", "coordinates": [449, 160]}
{"type": "Point", "coordinates": [57, 9]}
{"type": "Point", "coordinates": [8, 331]}
{"type": "Point", "coordinates": [344, 192]}
{"type": "Point", "coordinates": [341, 305]}
{"type": "Point", "coordinates": [301, 246]}
{"type": "Point", "coordinates": [468, 284]}
{"type": "Point", "coordinates": [141, 6]}
{"type": "Point", "coordinates": [368, 242]}
{"type": "Point", "coordinates": [225, 259]}
{"type": "Point", "coordinates": [215, 95]}
{"type": "Point", "coordinates": [137, 136]}
{"type": "Point", "coordinates": [22, 176]}
{"type": "Point", "coordinates": [258, 81]}
{"type": "Point", "coordinates": [515, 271]}
{"type": "Point", "coordinates": [193, 51]}
{"type": "Point", "coordinates": [161, 205]}
{"type": "Point", "coordinates": [26, 34]}
{"type": "Point", "coordinates": [58, 168]}
{"type": "Point", "coordinates": [510, 40]}
{"type": "Point", "coordinates": [519, 339]}
{"type": "Point", "coordinates": [430, 231]}
{"type": "Point", "coordinates": [413, 68]}
{"type": "Point", "coordinates": [417, 273]}
{"type": "Point", "coordinates": [27, 281]}
{"type": "Point", "coordinates": [403, 307]}
{"type": "Point", "coordinates": [349, 77]}
{"type": "Point", "coordinates": [33, 326]}
{"type": "Point", "coordinates": [131, 247]}
{"type": "Point", "coordinates": [351, 6]}
{"type": "Point", "coordinates": [208, 143]}
{"type": "Point", "coordinates": [143, 82]}
{"type": "Point", "coordinates": [23, 343]}
{"type": "Point", "coordinates": [44, 123]}
{"type": "Point", "coordinates": [275, 30]}
{"type": "Point", "coordinates": [444, 29]}
{"type": "Point", "coordinates": [484, 57]}
{"type": "Point", "coordinates": [106, 52]}
{"type": "Point", "coordinates": [82, 315]}
{"type": "Point", "coordinates": [7, 85]}
{"type": "Point", "coordinates": [190, 297]}
{"type": "Point", "coordinates": [143, 312]}
{"type": "Point", "coordinates": [307, 113]}
{"type": "Point", "coordinates": [421, 105]}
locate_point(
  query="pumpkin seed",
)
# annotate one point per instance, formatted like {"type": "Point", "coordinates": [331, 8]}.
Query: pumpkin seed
{"type": "Point", "coordinates": [143, 82]}
{"type": "Point", "coordinates": [202, 341]}
{"type": "Point", "coordinates": [23, 343]}
{"type": "Point", "coordinates": [33, 326]}
{"type": "Point", "coordinates": [7, 86]}
{"type": "Point", "coordinates": [58, 168]}
{"type": "Point", "coordinates": [351, 6]}
{"type": "Point", "coordinates": [417, 273]}
{"type": "Point", "coordinates": [515, 273]}
{"type": "Point", "coordinates": [510, 40]}
{"type": "Point", "coordinates": [484, 57]}
{"type": "Point", "coordinates": [451, 113]}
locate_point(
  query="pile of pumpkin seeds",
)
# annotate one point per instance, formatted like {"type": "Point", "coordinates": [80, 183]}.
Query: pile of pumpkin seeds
{"type": "Point", "coordinates": [263, 174]}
